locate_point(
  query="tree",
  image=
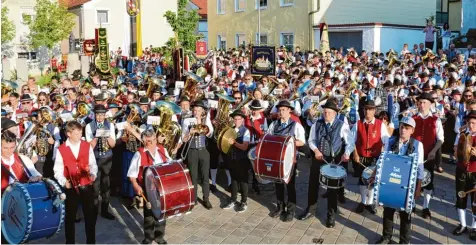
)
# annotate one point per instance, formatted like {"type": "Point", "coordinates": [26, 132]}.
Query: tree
{"type": "Point", "coordinates": [51, 24]}
{"type": "Point", "coordinates": [184, 24]}
{"type": "Point", "coordinates": [8, 28]}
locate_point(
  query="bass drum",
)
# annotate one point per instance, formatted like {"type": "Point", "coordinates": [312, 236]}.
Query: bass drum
{"type": "Point", "coordinates": [252, 157]}
{"type": "Point", "coordinates": [169, 190]}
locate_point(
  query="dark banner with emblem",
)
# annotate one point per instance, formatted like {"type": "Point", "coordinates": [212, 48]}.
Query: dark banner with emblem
{"type": "Point", "coordinates": [263, 60]}
{"type": "Point", "coordinates": [103, 51]}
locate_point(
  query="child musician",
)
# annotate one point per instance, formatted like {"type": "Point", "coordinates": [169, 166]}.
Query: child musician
{"type": "Point", "coordinates": [75, 169]}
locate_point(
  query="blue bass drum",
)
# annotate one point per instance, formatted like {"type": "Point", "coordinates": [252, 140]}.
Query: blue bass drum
{"type": "Point", "coordinates": [31, 211]}
{"type": "Point", "coordinates": [395, 181]}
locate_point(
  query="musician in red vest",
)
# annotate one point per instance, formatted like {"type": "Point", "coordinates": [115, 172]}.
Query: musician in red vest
{"type": "Point", "coordinates": [15, 166]}
{"type": "Point", "coordinates": [151, 154]}
{"type": "Point", "coordinates": [76, 170]}
{"type": "Point", "coordinates": [370, 136]}
{"type": "Point", "coordinates": [429, 131]}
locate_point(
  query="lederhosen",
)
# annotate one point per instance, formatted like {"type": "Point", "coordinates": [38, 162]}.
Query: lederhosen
{"type": "Point", "coordinates": [388, 213]}
{"type": "Point", "coordinates": [239, 168]}
{"type": "Point", "coordinates": [287, 130]}
{"type": "Point", "coordinates": [331, 145]}
{"type": "Point", "coordinates": [104, 162]}
{"type": "Point", "coordinates": [198, 162]}
{"type": "Point", "coordinates": [368, 145]}
{"type": "Point", "coordinates": [465, 176]}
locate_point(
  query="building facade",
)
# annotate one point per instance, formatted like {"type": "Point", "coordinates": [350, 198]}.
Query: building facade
{"type": "Point", "coordinates": [269, 22]}
{"type": "Point", "coordinates": [202, 7]}
{"type": "Point", "coordinates": [462, 15]}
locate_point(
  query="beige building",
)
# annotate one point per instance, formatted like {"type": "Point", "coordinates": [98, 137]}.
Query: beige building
{"type": "Point", "coordinates": [278, 22]}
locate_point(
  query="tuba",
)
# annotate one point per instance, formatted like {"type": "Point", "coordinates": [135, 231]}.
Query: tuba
{"type": "Point", "coordinates": [166, 127]}
{"type": "Point", "coordinates": [465, 144]}
{"type": "Point", "coordinates": [154, 83]}
{"type": "Point", "coordinates": [83, 111]}
{"type": "Point", "coordinates": [8, 87]}
{"type": "Point", "coordinates": [133, 117]}
{"type": "Point", "coordinates": [192, 88]}
{"type": "Point", "coordinates": [222, 118]}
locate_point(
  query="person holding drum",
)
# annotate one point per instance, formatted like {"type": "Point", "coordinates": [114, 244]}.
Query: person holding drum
{"type": "Point", "coordinates": [370, 136]}
{"type": "Point", "coordinates": [465, 175]}
{"type": "Point", "coordinates": [429, 131]}
{"type": "Point", "coordinates": [285, 126]}
{"type": "Point", "coordinates": [404, 144]}
{"type": "Point", "coordinates": [150, 154]}
{"type": "Point", "coordinates": [198, 157]}
{"type": "Point", "coordinates": [239, 166]}
{"type": "Point", "coordinates": [327, 138]}
{"type": "Point", "coordinates": [76, 170]}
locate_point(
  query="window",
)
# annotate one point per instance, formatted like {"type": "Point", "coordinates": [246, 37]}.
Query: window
{"type": "Point", "coordinates": [220, 6]}
{"type": "Point", "coordinates": [285, 3]}
{"type": "Point", "coordinates": [287, 39]}
{"type": "Point", "coordinates": [221, 42]}
{"type": "Point", "coordinates": [262, 39]}
{"type": "Point", "coordinates": [240, 5]}
{"type": "Point", "coordinates": [102, 16]}
{"type": "Point", "coordinates": [240, 40]}
{"type": "Point", "coordinates": [27, 55]}
{"type": "Point", "coordinates": [262, 3]}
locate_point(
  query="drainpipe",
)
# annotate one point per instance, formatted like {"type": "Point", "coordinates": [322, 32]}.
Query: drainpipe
{"type": "Point", "coordinates": [311, 29]}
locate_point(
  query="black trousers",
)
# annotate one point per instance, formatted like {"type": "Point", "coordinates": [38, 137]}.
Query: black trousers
{"type": "Point", "coordinates": [102, 184]}
{"type": "Point", "coordinates": [115, 175]}
{"type": "Point", "coordinates": [405, 225]}
{"type": "Point", "coordinates": [239, 176]}
{"type": "Point", "coordinates": [153, 228]}
{"type": "Point", "coordinates": [291, 188]}
{"type": "Point", "coordinates": [46, 167]}
{"type": "Point", "coordinates": [198, 161]}
{"type": "Point", "coordinates": [464, 182]}
{"type": "Point", "coordinates": [86, 198]}
{"type": "Point", "coordinates": [429, 45]}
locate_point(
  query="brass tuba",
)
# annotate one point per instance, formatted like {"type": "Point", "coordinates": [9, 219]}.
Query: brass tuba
{"type": "Point", "coordinates": [222, 118]}
{"type": "Point", "coordinates": [463, 150]}
{"type": "Point", "coordinates": [154, 83]}
{"type": "Point", "coordinates": [192, 88]}
{"type": "Point", "coordinates": [168, 128]}
{"type": "Point", "coordinates": [133, 117]}
{"type": "Point", "coordinates": [83, 111]}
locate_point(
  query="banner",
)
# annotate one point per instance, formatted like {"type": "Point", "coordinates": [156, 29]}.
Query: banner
{"type": "Point", "coordinates": [201, 49]}
{"type": "Point", "coordinates": [263, 60]}
{"type": "Point", "coordinates": [103, 51]}
{"type": "Point", "coordinates": [89, 46]}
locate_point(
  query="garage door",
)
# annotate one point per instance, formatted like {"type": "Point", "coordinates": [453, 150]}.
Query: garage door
{"type": "Point", "coordinates": [346, 40]}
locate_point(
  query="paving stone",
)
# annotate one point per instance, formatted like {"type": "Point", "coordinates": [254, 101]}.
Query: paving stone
{"type": "Point", "coordinates": [241, 232]}
{"type": "Point", "coordinates": [278, 233]}
{"type": "Point", "coordinates": [194, 239]}
{"type": "Point", "coordinates": [233, 240]}
{"type": "Point", "coordinates": [213, 240]}
{"type": "Point", "coordinates": [345, 240]}
{"type": "Point", "coordinates": [270, 240]}
{"type": "Point", "coordinates": [259, 232]}
{"type": "Point", "coordinates": [307, 239]}
{"type": "Point", "coordinates": [290, 239]}
{"type": "Point", "coordinates": [176, 240]}
{"type": "Point", "coordinates": [251, 240]}
{"type": "Point", "coordinates": [295, 232]}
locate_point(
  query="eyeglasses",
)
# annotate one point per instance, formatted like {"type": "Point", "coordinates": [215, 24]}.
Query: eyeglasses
{"type": "Point", "coordinates": [234, 86]}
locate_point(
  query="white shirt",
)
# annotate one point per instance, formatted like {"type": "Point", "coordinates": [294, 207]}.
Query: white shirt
{"type": "Point", "coordinates": [246, 136]}
{"type": "Point", "coordinates": [440, 134]}
{"type": "Point", "coordinates": [383, 131]}
{"type": "Point", "coordinates": [345, 133]}
{"type": "Point", "coordinates": [59, 164]}
{"type": "Point", "coordinates": [420, 156]}
{"type": "Point", "coordinates": [133, 171]}
{"type": "Point", "coordinates": [192, 121]}
{"type": "Point", "coordinates": [28, 163]}
{"type": "Point", "coordinates": [89, 133]}
{"type": "Point", "coordinates": [299, 133]}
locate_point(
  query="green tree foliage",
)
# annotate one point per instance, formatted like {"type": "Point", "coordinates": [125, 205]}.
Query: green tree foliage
{"type": "Point", "coordinates": [51, 24]}
{"type": "Point", "coordinates": [8, 28]}
{"type": "Point", "coordinates": [184, 24]}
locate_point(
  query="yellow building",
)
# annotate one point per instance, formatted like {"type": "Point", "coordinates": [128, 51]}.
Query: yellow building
{"type": "Point", "coordinates": [279, 22]}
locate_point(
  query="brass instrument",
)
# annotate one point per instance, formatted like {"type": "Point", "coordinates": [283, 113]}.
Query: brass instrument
{"type": "Point", "coordinates": [133, 117]}
{"type": "Point", "coordinates": [83, 110]}
{"type": "Point", "coordinates": [270, 97]}
{"type": "Point", "coordinates": [166, 127]}
{"type": "Point", "coordinates": [222, 119]}
{"type": "Point", "coordinates": [429, 55]}
{"type": "Point", "coordinates": [316, 106]}
{"type": "Point", "coordinates": [201, 129]}
{"type": "Point", "coordinates": [154, 83]}
{"type": "Point", "coordinates": [8, 87]}
{"type": "Point", "coordinates": [465, 144]}
{"type": "Point", "coordinates": [192, 88]}
{"type": "Point", "coordinates": [102, 144]}
{"type": "Point", "coordinates": [249, 97]}
{"type": "Point", "coordinates": [348, 98]}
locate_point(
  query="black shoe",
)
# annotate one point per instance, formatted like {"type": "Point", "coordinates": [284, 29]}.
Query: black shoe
{"type": "Point", "coordinates": [256, 189]}
{"type": "Point", "coordinates": [472, 234]}
{"type": "Point", "coordinates": [384, 241]}
{"type": "Point", "coordinates": [425, 213]}
{"type": "Point", "coordinates": [242, 207]}
{"type": "Point", "coordinates": [160, 241]}
{"type": "Point", "coordinates": [289, 217]}
{"type": "Point", "coordinates": [371, 209]}
{"type": "Point", "coordinates": [78, 220]}
{"type": "Point", "coordinates": [105, 214]}
{"type": "Point", "coordinates": [145, 241]}
{"type": "Point", "coordinates": [228, 188]}
{"type": "Point", "coordinates": [230, 205]}
{"type": "Point", "coordinates": [439, 170]}
{"type": "Point", "coordinates": [460, 230]}
{"type": "Point", "coordinates": [276, 213]}
{"type": "Point", "coordinates": [360, 208]}
{"type": "Point", "coordinates": [330, 222]}
{"type": "Point", "coordinates": [324, 195]}
{"type": "Point", "coordinates": [207, 204]}
{"type": "Point", "coordinates": [305, 216]}
{"type": "Point", "coordinates": [342, 198]}
{"type": "Point", "coordinates": [213, 188]}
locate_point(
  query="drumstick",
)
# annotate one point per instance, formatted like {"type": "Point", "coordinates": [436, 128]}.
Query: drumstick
{"type": "Point", "coordinates": [148, 205]}
{"type": "Point", "coordinates": [462, 194]}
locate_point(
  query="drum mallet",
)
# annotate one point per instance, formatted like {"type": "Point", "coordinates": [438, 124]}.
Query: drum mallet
{"type": "Point", "coordinates": [148, 205]}
{"type": "Point", "coordinates": [462, 194]}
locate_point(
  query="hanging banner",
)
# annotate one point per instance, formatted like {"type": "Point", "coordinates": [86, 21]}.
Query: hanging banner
{"type": "Point", "coordinates": [132, 7]}
{"type": "Point", "coordinates": [88, 47]}
{"type": "Point", "coordinates": [263, 60]}
{"type": "Point", "coordinates": [201, 49]}
{"type": "Point", "coordinates": [103, 51]}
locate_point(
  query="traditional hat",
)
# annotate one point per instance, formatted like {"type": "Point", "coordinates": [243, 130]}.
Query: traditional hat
{"type": "Point", "coordinates": [100, 109]}
{"type": "Point", "coordinates": [238, 113]}
{"type": "Point", "coordinates": [284, 103]}
{"type": "Point", "coordinates": [255, 105]}
{"type": "Point", "coordinates": [100, 97]}
{"type": "Point", "coordinates": [369, 104]}
{"type": "Point", "coordinates": [7, 123]}
{"type": "Point", "coordinates": [26, 97]}
{"type": "Point", "coordinates": [200, 103]}
{"type": "Point", "coordinates": [471, 114]}
{"type": "Point", "coordinates": [330, 104]}
{"type": "Point", "coordinates": [144, 101]}
{"type": "Point", "coordinates": [426, 96]}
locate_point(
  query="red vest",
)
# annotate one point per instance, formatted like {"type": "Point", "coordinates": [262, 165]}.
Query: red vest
{"type": "Point", "coordinates": [256, 127]}
{"type": "Point", "coordinates": [146, 160]}
{"type": "Point", "coordinates": [470, 167]}
{"type": "Point", "coordinates": [295, 118]}
{"type": "Point", "coordinates": [77, 169]}
{"type": "Point", "coordinates": [17, 169]}
{"type": "Point", "coordinates": [425, 132]}
{"type": "Point", "coordinates": [369, 141]}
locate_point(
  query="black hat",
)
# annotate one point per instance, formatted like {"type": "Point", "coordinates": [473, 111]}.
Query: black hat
{"type": "Point", "coordinates": [455, 92]}
{"type": "Point", "coordinates": [369, 104]}
{"type": "Point", "coordinates": [158, 91]}
{"type": "Point", "coordinates": [437, 87]}
{"type": "Point", "coordinates": [100, 109]}
{"type": "Point", "coordinates": [387, 84]}
{"type": "Point", "coordinates": [26, 97]}
{"type": "Point", "coordinates": [330, 104]}
{"type": "Point", "coordinates": [471, 114]}
{"type": "Point", "coordinates": [144, 100]}
{"type": "Point", "coordinates": [426, 96]}
{"type": "Point", "coordinates": [238, 113]}
{"type": "Point", "coordinates": [184, 98]}
{"type": "Point", "coordinates": [112, 105]}
{"type": "Point", "coordinates": [255, 105]}
{"type": "Point", "coordinates": [100, 97]}
{"type": "Point", "coordinates": [8, 123]}
{"type": "Point", "coordinates": [200, 103]}
{"type": "Point", "coordinates": [284, 103]}
{"type": "Point", "coordinates": [306, 73]}
{"type": "Point", "coordinates": [76, 75]}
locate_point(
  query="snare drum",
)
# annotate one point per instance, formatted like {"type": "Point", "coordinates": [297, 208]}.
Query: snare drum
{"type": "Point", "coordinates": [169, 189]}
{"type": "Point", "coordinates": [332, 176]}
{"type": "Point", "coordinates": [275, 158]}
{"type": "Point", "coordinates": [367, 174]}
{"type": "Point", "coordinates": [426, 178]}
{"type": "Point", "coordinates": [31, 211]}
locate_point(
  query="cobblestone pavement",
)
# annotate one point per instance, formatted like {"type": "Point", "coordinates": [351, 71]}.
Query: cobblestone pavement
{"type": "Point", "coordinates": [255, 225]}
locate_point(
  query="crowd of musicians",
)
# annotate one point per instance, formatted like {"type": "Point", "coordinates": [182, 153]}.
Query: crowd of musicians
{"type": "Point", "coordinates": [94, 137]}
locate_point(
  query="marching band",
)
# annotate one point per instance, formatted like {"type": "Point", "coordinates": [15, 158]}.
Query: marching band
{"type": "Point", "coordinates": [127, 133]}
